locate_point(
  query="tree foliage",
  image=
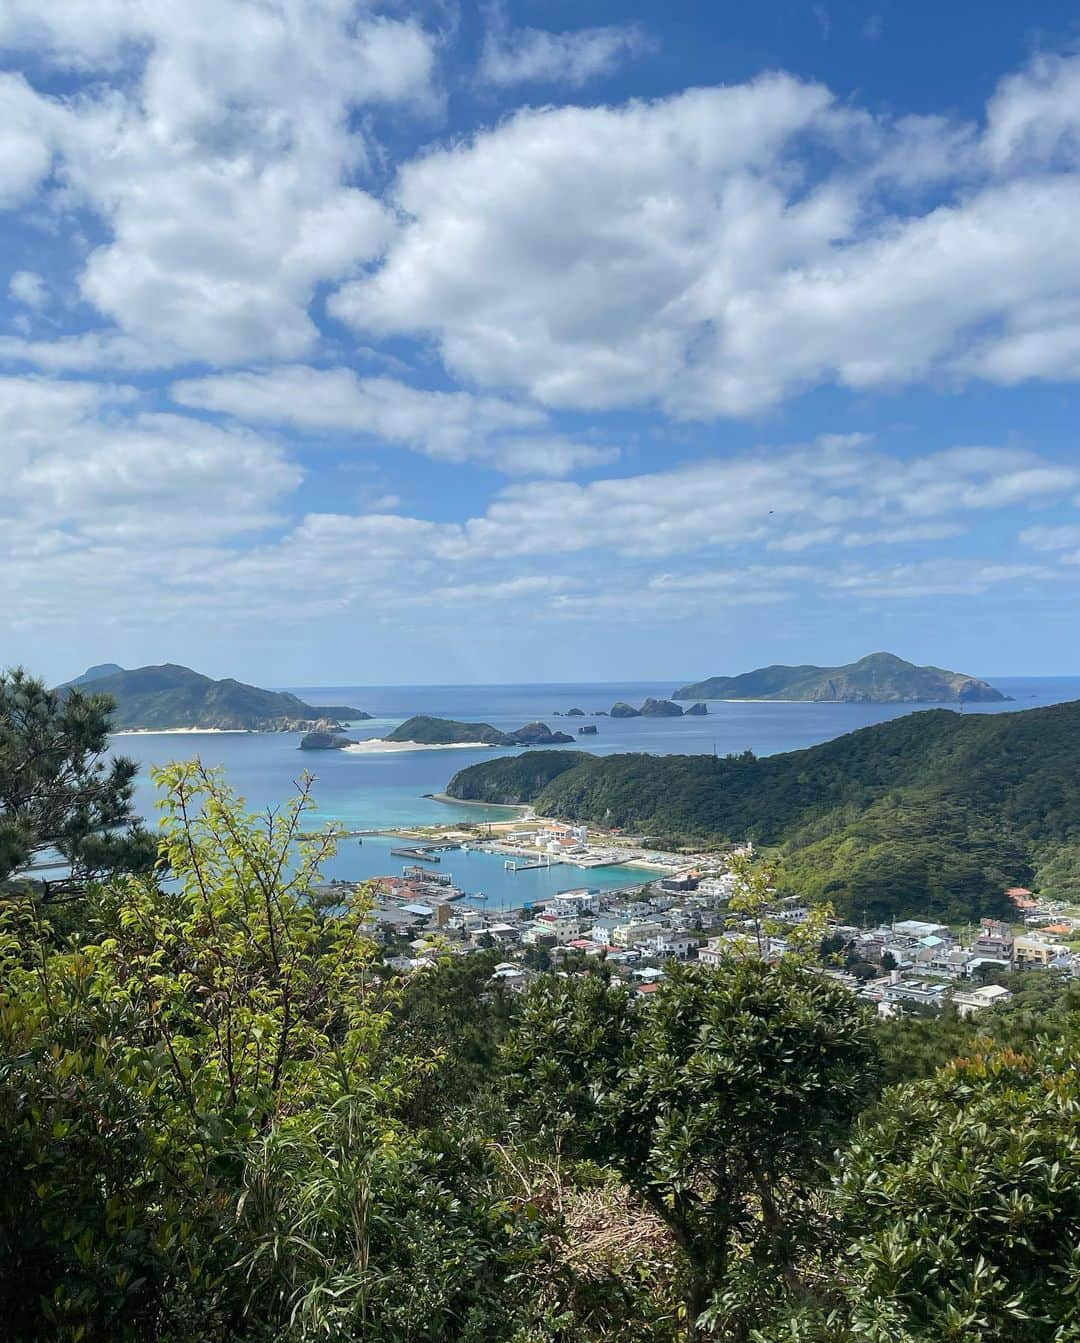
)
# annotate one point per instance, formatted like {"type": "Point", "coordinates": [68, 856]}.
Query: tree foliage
{"type": "Point", "coordinates": [961, 1199]}
{"type": "Point", "coordinates": [715, 1099]}
{"type": "Point", "coordinates": [204, 1127]}
{"type": "Point", "coordinates": [224, 1119]}
{"type": "Point", "coordinates": [59, 797]}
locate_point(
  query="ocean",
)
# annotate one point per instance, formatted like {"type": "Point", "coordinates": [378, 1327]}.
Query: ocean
{"type": "Point", "coordinates": [383, 791]}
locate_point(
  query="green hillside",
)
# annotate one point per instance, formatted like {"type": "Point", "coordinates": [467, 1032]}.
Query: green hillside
{"type": "Point", "coordinates": [445, 732]}
{"type": "Point", "coordinates": [171, 696]}
{"type": "Point", "coordinates": [880, 678]}
{"type": "Point", "coordinates": [429, 731]}
{"type": "Point", "coordinates": [934, 813]}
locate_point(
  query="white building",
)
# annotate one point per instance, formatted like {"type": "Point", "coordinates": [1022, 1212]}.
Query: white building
{"type": "Point", "coordinates": [677, 946]}
{"type": "Point", "coordinates": [715, 950]}
{"type": "Point", "coordinates": [969, 1001]}
{"type": "Point", "coordinates": [916, 929]}
{"type": "Point", "coordinates": [575, 903]}
{"type": "Point", "coordinates": [635, 933]}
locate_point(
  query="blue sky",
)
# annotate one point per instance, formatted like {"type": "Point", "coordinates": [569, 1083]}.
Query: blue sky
{"type": "Point", "coordinates": [538, 341]}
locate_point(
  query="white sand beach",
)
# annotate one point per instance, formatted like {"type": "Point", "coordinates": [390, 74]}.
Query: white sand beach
{"type": "Point", "coordinates": [175, 731]}
{"type": "Point", "coordinates": [378, 746]}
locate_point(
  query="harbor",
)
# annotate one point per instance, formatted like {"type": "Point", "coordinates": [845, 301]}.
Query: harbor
{"type": "Point", "coordinates": [476, 872]}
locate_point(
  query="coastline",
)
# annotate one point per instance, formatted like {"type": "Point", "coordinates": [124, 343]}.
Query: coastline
{"type": "Point", "coordinates": [855, 703]}
{"type": "Point", "coordinates": [178, 731]}
{"type": "Point", "coordinates": [520, 807]}
{"type": "Point", "coordinates": [380, 746]}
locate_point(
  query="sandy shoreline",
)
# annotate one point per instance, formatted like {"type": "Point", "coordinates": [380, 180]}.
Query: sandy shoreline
{"type": "Point", "coordinates": [473, 802]}
{"type": "Point", "coordinates": [379, 746]}
{"type": "Point", "coordinates": [177, 731]}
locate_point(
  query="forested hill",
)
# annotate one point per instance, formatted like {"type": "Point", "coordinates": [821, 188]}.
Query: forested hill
{"type": "Point", "coordinates": [879, 678]}
{"type": "Point", "coordinates": [171, 696]}
{"type": "Point", "coordinates": [935, 812]}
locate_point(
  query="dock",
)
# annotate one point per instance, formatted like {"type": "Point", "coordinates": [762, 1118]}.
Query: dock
{"type": "Point", "coordinates": [417, 855]}
{"type": "Point", "coordinates": [428, 878]}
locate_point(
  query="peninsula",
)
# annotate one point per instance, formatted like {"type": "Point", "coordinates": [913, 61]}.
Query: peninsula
{"type": "Point", "coordinates": [934, 814]}
{"type": "Point", "coordinates": [171, 698]}
{"type": "Point", "coordinates": [880, 678]}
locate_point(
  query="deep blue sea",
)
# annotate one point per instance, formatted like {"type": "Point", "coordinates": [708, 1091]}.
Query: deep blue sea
{"type": "Point", "coordinates": [369, 791]}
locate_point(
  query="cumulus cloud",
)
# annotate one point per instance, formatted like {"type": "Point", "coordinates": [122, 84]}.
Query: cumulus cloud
{"type": "Point", "coordinates": [790, 499]}
{"type": "Point", "coordinates": [98, 484]}
{"type": "Point", "coordinates": [1034, 115]}
{"type": "Point", "coordinates": [28, 288]}
{"type": "Point", "coordinates": [451, 426]}
{"type": "Point", "coordinates": [220, 158]}
{"type": "Point", "coordinates": [86, 462]}
{"type": "Point", "coordinates": [536, 56]}
{"type": "Point", "coordinates": [213, 172]}
{"type": "Point", "coordinates": [25, 141]}
{"type": "Point", "coordinates": [719, 250]}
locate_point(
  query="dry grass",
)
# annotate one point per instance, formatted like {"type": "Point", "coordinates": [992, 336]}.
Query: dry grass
{"type": "Point", "coordinates": [605, 1226]}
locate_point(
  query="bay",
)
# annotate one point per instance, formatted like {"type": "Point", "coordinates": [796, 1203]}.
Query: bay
{"type": "Point", "coordinates": [383, 791]}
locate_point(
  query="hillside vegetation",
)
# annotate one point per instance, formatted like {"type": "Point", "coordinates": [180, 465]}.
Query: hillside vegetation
{"type": "Point", "coordinates": [171, 696]}
{"type": "Point", "coordinates": [227, 1119]}
{"type": "Point", "coordinates": [429, 731]}
{"type": "Point", "coordinates": [934, 813]}
{"type": "Point", "coordinates": [880, 678]}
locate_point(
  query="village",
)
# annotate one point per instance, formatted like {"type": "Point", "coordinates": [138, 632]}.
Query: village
{"type": "Point", "coordinates": [680, 912]}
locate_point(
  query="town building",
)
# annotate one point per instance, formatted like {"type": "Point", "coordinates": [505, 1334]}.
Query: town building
{"type": "Point", "coordinates": [1034, 951]}
{"type": "Point", "coordinates": [969, 1001]}
{"type": "Point", "coordinates": [673, 945]}
{"type": "Point", "coordinates": [636, 933]}
{"type": "Point", "coordinates": [994, 940]}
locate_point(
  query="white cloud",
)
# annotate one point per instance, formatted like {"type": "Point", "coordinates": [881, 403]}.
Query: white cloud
{"type": "Point", "coordinates": [787, 499]}
{"type": "Point", "coordinates": [685, 252]}
{"type": "Point", "coordinates": [533, 55]}
{"type": "Point", "coordinates": [25, 141]}
{"type": "Point", "coordinates": [567, 251]}
{"type": "Point", "coordinates": [28, 288]}
{"type": "Point", "coordinates": [1035, 114]}
{"type": "Point", "coordinates": [81, 461]}
{"type": "Point", "coordinates": [931, 578]}
{"type": "Point", "coordinates": [908, 534]}
{"type": "Point", "coordinates": [549, 455]}
{"type": "Point", "coordinates": [708, 589]}
{"type": "Point", "coordinates": [110, 503]}
{"type": "Point", "coordinates": [220, 158]}
{"type": "Point", "coordinates": [451, 426]}
{"type": "Point", "coordinates": [1064, 537]}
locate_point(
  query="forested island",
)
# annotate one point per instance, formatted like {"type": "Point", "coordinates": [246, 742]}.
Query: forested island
{"type": "Point", "coordinates": [427, 731]}
{"type": "Point", "coordinates": [934, 812]}
{"type": "Point", "coordinates": [880, 678]}
{"type": "Point", "coordinates": [651, 708]}
{"type": "Point", "coordinates": [169, 696]}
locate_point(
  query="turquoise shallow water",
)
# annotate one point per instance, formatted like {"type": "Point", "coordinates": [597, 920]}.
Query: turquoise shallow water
{"type": "Point", "coordinates": [372, 791]}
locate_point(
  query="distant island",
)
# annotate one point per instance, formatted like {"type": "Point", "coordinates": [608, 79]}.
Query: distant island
{"type": "Point", "coordinates": [931, 815]}
{"type": "Point", "coordinates": [170, 697]}
{"type": "Point", "coordinates": [323, 739]}
{"type": "Point", "coordinates": [652, 708]}
{"type": "Point", "coordinates": [880, 678]}
{"type": "Point", "coordinates": [426, 731]}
